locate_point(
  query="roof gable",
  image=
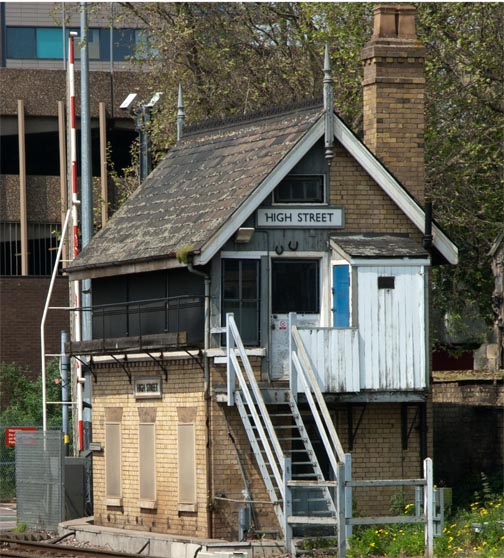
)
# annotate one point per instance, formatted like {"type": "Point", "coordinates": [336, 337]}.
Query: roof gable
{"type": "Point", "coordinates": [198, 189]}
{"type": "Point", "coordinates": [213, 180]}
{"type": "Point", "coordinates": [392, 187]}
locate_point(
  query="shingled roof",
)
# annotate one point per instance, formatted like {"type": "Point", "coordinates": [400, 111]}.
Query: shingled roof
{"type": "Point", "coordinates": [379, 246]}
{"type": "Point", "coordinates": [200, 183]}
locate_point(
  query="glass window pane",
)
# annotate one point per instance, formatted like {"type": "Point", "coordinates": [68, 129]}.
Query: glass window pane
{"type": "Point", "coordinates": [300, 189]}
{"type": "Point", "coordinates": [240, 295]}
{"type": "Point", "coordinates": [295, 286]}
{"type": "Point", "coordinates": [248, 323]}
{"type": "Point", "coordinates": [21, 43]}
{"type": "Point", "coordinates": [231, 275]}
{"type": "Point", "coordinates": [49, 43]}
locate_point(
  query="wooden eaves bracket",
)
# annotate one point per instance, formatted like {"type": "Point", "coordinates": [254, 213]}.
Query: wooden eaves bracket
{"type": "Point", "coordinates": [352, 433]}
{"type": "Point", "coordinates": [87, 365]}
{"type": "Point", "coordinates": [122, 364]}
{"type": "Point", "coordinates": [159, 362]}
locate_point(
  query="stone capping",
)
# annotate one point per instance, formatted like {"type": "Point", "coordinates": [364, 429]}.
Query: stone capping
{"type": "Point", "coordinates": [147, 504]}
{"type": "Point", "coordinates": [114, 502]}
{"type": "Point", "coordinates": [188, 508]}
{"type": "Point", "coordinates": [397, 50]}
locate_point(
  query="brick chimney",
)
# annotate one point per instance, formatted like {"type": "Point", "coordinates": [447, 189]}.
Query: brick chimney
{"type": "Point", "coordinates": [393, 90]}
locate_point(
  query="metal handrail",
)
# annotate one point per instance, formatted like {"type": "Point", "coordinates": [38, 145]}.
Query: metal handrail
{"type": "Point", "coordinates": [304, 368]}
{"type": "Point", "coordinates": [253, 397]}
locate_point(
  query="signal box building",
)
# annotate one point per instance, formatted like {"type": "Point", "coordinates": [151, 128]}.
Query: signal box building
{"type": "Point", "coordinates": [262, 256]}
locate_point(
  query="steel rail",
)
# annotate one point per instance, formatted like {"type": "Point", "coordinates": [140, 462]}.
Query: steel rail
{"type": "Point", "coordinates": [18, 549]}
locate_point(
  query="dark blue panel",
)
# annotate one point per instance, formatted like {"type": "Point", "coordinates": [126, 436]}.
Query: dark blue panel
{"type": "Point", "coordinates": [124, 43]}
{"type": "Point", "coordinates": [341, 296]}
{"type": "Point", "coordinates": [21, 43]}
{"type": "Point", "coordinates": [104, 44]}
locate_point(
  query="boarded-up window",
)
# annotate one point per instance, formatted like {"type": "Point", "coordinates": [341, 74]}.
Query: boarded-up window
{"type": "Point", "coordinates": [113, 463]}
{"type": "Point", "coordinates": [187, 467]}
{"type": "Point", "coordinates": [147, 469]}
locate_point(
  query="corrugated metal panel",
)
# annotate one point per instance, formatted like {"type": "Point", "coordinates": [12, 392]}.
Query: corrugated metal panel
{"type": "Point", "coordinates": [39, 479]}
{"type": "Point", "coordinates": [335, 356]}
{"type": "Point", "coordinates": [392, 328]}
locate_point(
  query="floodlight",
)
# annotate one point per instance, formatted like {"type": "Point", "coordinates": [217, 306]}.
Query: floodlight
{"type": "Point", "coordinates": [154, 100]}
{"type": "Point", "coordinates": [128, 102]}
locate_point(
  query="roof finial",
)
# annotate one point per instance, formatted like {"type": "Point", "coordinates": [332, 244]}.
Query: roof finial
{"type": "Point", "coordinates": [180, 113]}
{"type": "Point", "coordinates": [328, 107]}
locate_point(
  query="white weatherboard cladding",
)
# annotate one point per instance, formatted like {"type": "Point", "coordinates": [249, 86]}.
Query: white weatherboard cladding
{"type": "Point", "coordinates": [392, 328]}
{"type": "Point", "coordinates": [334, 353]}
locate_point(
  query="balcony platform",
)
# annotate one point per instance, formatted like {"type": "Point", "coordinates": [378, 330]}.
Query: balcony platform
{"type": "Point", "coordinates": [159, 342]}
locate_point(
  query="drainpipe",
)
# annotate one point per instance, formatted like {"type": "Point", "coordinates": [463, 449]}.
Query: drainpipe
{"type": "Point", "coordinates": [427, 237]}
{"type": "Point", "coordinates": [86, 212]}
{"type": "Point", "coordinates": [206, 364]}
{"type": "Point", "coordinates": [65, 367]}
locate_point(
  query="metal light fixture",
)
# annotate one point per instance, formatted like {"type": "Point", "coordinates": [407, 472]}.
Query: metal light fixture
{"type": "Point", "coordinates": [243, 235]}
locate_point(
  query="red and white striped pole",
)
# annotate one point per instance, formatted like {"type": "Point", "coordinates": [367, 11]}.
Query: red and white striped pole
{"type": "Point", "coordinates": [75, 203]}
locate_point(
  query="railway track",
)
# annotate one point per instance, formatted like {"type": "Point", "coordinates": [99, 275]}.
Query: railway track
{"type": "Point", "coordinates": [29, 549]}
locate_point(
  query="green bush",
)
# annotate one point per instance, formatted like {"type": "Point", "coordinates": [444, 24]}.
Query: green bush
{"type": "Point", "coordinates": [24, 408]}
{"type": "Point", "coordinates": [477, 532]}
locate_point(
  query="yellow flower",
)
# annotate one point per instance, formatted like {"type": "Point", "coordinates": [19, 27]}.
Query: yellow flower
{"type": "Point", "coordinates": [372, 544]}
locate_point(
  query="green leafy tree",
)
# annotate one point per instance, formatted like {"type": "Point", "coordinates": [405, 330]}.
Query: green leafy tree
{"type": "Point", "coordinates": [232, 58]}
{"type": "Point", "coordinates": [22, 396]}
{"type": "Point", "coordinates": [464, 145]}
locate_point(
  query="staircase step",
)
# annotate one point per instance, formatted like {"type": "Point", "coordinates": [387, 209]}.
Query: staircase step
{"type": "Point", "coordinates": [311, 484]}
{"type": "Point", "coordinates": [310, 520]}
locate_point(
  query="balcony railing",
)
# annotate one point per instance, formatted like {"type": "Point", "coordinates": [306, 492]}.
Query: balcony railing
{"type": "Point", "coordinates": [334, 353]}
{"type": "Point", "coordinates": [149, 317]}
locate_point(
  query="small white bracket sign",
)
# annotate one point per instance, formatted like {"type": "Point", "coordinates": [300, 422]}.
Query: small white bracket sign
{"type": "Point", "coordinates": [147, 388]}
{"type": "Point", "coordinates": [295, 218]}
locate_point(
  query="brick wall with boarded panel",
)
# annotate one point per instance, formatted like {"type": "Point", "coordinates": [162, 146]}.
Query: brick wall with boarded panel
{"type": "Point", "coordinates": [182, 390]}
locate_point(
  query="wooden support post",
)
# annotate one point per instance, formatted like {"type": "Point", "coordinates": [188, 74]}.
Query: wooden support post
{"type": "Point", "coordinates": [348, 494]}
{"type": "Point", "coordinates": [293, 377]}
{"type": "Point", "coordinates": [340, 511]}
{"type": "Point", "coordinates": [63, 172]}
{"type": "Point", "coordinates": [287, 508]}
{"type": "Point", "coordinates": [23, 218]}
{"type": "Point", "coordinates": [429, 508]}
{"type": "Point", "coordinates": [231, 374]}
{"type": "Point", "coordinates": [103, 164]}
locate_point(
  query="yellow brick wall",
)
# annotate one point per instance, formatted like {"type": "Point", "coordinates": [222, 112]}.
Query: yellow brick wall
{"type": "Point", "coordinates": [377, 452]}
{"type": "Point", "coordinates": [230, 447]}
{"type": "Point", "coordinates": [368, 209]}
{"type": "Point", "coordinates": [393, 109]}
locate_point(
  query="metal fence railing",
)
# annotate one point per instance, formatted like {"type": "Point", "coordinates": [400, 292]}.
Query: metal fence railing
{"type": "Point", "coordinates": [40, 479]}
{"type": "Point", "coordinates": [42, 246]}
{"type": "Point", "coordinates": [146, 317]}
{"type": "Point", "coordinates": [8, 435]}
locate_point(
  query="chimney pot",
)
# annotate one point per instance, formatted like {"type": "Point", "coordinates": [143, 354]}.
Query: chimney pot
{"type": "Point", "coordinates": [385, 25]}
{"type": "Point", "coordinates": [394, 21]}
{"type": "Point", "coordinates": [406, 27]}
